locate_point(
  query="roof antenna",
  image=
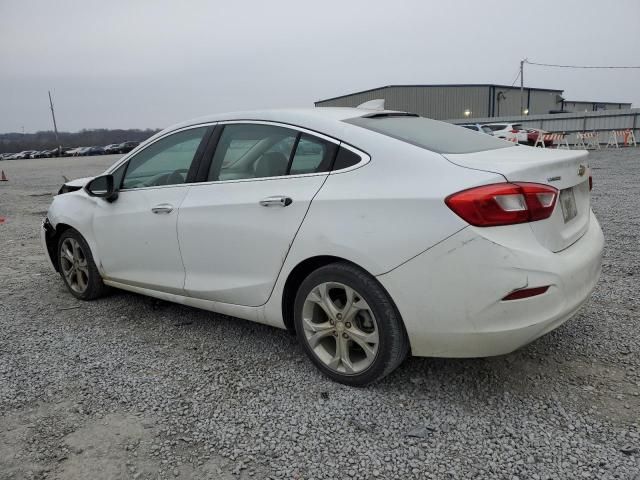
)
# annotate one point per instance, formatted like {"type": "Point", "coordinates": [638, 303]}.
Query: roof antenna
{"type": "Point", "coordinates": [377, 104]}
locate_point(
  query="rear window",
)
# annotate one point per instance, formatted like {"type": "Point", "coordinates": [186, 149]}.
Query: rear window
{"type": "Point", "coordinates": [439, 137]}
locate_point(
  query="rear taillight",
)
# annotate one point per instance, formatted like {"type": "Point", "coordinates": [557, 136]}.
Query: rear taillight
{"type": "Point", "coordinates": [504, 203]}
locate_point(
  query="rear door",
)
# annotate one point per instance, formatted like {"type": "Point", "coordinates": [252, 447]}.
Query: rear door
{"type": "Point", "coordinates": [235, 229]}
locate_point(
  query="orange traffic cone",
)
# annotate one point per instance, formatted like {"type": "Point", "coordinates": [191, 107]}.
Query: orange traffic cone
{"type": "Point", "coordinates": [3, 177]}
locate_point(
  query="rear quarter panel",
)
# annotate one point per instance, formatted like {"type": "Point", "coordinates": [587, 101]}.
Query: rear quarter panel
{"type": "Point", "coordinates": [382, 214]}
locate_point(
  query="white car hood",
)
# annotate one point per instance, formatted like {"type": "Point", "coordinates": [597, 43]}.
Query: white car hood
{"type": "Point", "coordinates": [79, 182]}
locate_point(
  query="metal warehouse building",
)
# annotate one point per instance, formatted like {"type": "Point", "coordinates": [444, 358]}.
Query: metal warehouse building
{"type": "Point", "coordinates": [443, 102]}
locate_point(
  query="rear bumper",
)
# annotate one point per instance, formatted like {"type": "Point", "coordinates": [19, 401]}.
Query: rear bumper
{"type": "Point", "coordinates": [450, 296]}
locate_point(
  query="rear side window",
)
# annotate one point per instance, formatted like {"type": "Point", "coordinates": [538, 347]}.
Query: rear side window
{"type": "Point", "coordinates": [345, 159]}
{"type": "Point", "coordinates": [486, 129]}
{"type": "Point", "coordinates": [252, 151]}
{"type": "Point", "coordinates": [247, 151]}
{"type": "Point", "coordinates": [439, 137]}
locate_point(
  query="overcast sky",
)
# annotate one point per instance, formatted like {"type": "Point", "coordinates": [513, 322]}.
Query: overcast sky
{"type": "Point", "coordinates": [151, 63]}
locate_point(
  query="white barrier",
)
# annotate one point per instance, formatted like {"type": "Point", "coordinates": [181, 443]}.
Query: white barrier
{"type": "Point", "coordinates": [561, 138]}
{"type": "Point", "coordinates": [627, 136]}
{"type": "Point", "coordinates": [592, 140]}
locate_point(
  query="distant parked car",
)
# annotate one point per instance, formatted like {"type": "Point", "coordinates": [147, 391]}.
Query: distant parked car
{"type": "Point", "coordinates": [126, 147]}
{"type": "Point", "coordinates": [532, 136]}
{"type": "Point", "coordinates": [476, 127]}
{"type": "Point", "coordinates": [509, 131]}
{"type": "Point", "coordinates": [6, 156]}
{"type": "Point", "coordinates": [112, 148]}
{"type": "Point", "coordinates": [75, 152]}
{"type": "Point", "coordinates": [42, 154]}
{"type": "Point", "coordinates": [91, 151]}
{"type": "Point", "coordinates": [57, 152]}
{"type": "Point", "coordinates": [68, 151]}
{"type": "Point", "coordinates": [24, 154]}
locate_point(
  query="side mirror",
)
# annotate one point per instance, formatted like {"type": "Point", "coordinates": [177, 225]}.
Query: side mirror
{"type": "Point", "coordinates": [102, 187]}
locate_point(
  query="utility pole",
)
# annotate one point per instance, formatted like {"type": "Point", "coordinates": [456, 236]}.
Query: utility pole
{"type": "Point", "coordinates": [522, 86]}
{"type": "Point", "coordinates": [53, 115]}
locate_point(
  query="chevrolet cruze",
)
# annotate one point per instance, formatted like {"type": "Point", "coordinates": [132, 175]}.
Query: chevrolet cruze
{"type": "Point", "coordinates": [372, 234]}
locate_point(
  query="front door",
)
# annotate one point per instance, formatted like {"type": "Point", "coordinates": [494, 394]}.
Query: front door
{"type": "Point", "coordinates": [136, 235]}
{"type": "Point", "coordinates": [236, 229]}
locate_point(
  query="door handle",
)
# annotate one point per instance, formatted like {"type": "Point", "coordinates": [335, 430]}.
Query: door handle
{"type": "Point", "coordinates": [276, 201]}
{"type": "Point", "coordinates": [162, 208]}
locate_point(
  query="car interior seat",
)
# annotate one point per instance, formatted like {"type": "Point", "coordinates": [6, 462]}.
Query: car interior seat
{"type": "Point", "coordinates": [271, 164]}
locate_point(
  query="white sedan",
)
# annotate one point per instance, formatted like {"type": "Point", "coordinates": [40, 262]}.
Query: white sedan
{"type": "Point", "coordinates": [372, 234]}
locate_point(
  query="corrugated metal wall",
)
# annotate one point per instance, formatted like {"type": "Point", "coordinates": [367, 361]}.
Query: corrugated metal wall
{"type": "Point", "coordinates": [451, 101]}
{"type": "Point", "coordinates": [570, 123]}
{"type": "Point", "coordinates": [593, 106]}
{"type": "Point", "coordinates": [542, 102]}
{"type": "Point", "coordinates": [433, 102]}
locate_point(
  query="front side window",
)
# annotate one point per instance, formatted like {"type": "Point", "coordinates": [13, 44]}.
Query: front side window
{"type": "Point", "coordinates": [117, 176]}
{"type": "Point", "coordinates": [439, 137]}
{"type": "Point", "coordinates": [165, 162]}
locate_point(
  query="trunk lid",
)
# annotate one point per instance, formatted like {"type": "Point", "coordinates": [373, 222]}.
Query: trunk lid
{"type": "Point", "coordinates": [566, 170]}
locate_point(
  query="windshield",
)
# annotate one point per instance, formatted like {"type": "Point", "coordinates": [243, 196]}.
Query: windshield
{"type": "Point", "coordinates": [439, 137]}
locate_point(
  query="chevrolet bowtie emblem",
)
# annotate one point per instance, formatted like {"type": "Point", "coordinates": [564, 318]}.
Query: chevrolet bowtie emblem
{"type": "Point", "coordinates": [581, 170]}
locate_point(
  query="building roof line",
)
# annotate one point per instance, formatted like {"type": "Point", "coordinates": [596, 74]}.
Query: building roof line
{"type": "Point", "coordinates": [439, 85]}
{"type": "Point", "coordinates": [591, 101]}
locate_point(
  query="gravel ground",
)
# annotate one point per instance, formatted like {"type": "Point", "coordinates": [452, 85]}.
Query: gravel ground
{"type": "Point", "coordinates": [130, 387]}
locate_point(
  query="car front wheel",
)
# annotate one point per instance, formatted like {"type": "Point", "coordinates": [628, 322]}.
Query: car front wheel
{"type": "Point", "coordinates": [77, 268]}
{"type": "Point", "coordinates": [348, 325]}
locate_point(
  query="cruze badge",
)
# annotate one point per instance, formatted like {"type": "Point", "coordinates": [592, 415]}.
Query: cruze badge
{"type": "Point", "coordinates": [581, 170]}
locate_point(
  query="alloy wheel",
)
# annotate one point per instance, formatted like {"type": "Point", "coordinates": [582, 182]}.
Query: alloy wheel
{"type": "Point", "coordinates": [73, 263]}
{"type": "Point", "coordinates": [340, 328]}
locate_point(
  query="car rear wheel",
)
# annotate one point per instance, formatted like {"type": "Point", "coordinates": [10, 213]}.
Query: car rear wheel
{"type": "Point", "coordinates": [348, 325]}
{"type": "Point", "coordinates": [77, 268]}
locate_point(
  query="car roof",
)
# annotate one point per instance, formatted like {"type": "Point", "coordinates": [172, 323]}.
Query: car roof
{"type": "Point", "coordinates": [307, 117]}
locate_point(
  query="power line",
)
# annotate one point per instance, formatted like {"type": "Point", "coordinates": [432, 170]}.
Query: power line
{"type": "Point", "coordinates": [580, 66]}
{"type": "Point", "coordinates": [515, 79]}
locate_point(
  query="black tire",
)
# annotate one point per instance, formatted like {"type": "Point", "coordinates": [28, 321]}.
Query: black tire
{"type": "Point", "coordinates": [95, 287]}
{"type": "Point", "coordinates": [393, 344]}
